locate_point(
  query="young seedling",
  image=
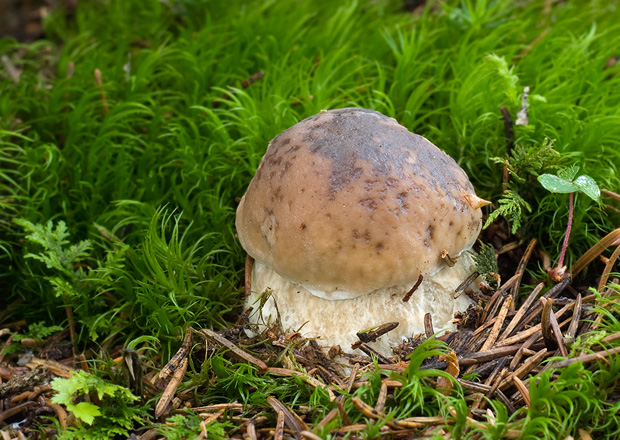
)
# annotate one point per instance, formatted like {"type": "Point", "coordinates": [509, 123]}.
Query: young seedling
{"type": "Point", "coordinates": [565, 182]}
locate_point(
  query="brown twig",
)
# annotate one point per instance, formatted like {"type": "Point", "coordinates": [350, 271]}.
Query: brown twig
{"type": "Point", "coordinates": [586, 358]}
{"type": "Point", "coordinates": [413, 289]}
{"type": "Point", "coordinates": [210, 334]}
{"type": "Point", "coordinates": [611, 239]}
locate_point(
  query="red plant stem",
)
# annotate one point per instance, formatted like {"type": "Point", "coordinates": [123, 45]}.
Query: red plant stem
{"type": "Point", "coordinates": [570, 223]}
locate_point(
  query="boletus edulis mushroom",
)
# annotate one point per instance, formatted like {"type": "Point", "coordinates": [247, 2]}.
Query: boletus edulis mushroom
{"type": "Point", "coordinates": [348, 210]}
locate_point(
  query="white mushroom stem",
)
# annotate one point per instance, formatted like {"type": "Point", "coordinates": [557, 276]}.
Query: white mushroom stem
{"type": "Point", "coordinates": [336, 322]}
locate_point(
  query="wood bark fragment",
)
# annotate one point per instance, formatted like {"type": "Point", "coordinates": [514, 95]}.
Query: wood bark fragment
{"type": "Point", "coordinates": [428, 326]}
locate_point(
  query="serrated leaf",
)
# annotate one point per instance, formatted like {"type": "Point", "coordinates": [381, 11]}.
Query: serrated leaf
{"type": "Point", "coordinates": [85, 411]}
{"type": "Point", "coordinates": [556, 184]}
{"type": "Point", "coordinates": [588, 186]}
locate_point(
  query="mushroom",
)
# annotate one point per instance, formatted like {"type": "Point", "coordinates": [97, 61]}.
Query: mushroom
{"type": "Point", "coordinates": [347, 211]}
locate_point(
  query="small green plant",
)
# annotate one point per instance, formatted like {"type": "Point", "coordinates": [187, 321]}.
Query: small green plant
{"type": "Point", "coordinates": [189, 426]}
{"type": "Point", "coordinates": [96, 421]}
{"type": "Point", "coordinates": [565, 182]}
{"type": "Point", "coordinates": [37, 331]}
{"type": "Point", "coordinates": [511, 206]}
{"type": "Point", "coordinates": [65, 261]}
{"type": "Point", "coordinates": [486, 263]}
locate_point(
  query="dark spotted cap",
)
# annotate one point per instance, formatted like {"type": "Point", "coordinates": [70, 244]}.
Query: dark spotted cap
{"type": "Point", "coordinates": [348, 201]}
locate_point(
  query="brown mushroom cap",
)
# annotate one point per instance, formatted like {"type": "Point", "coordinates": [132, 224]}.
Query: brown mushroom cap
{"type": "Point", "coordinates": [348, 201]}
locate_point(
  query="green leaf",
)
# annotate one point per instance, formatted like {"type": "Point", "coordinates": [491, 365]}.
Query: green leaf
{"type": "Point", "coordinates": [588, 186]}
{"type": "Point", "coordinates": [85, 411]}
{"type": "Point", "coordinates": [556, 184]}
{"type": "Point", "coordinates": [569, 173]}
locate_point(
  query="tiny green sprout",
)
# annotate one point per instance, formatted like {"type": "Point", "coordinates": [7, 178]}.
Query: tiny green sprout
{"type": "Point", "coordinates": [565, 182]}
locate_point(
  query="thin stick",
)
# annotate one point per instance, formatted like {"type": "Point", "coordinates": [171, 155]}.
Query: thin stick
{"type": "Point", "coordinates": [586, 358]}
{"type": "Point", "coordinates": [498, 324]}
{"type": "Point", "coordinates": [205, 332]}
{"type": "Point", "coordinates": [522, 310]}
{"type": "Point", "coordinates": [611, 239]}
{"type": "Point", "coordinates": [610, 264]}
{"type": "Point", "coordinates": [413, 289]}
{"type": "Point", "coordinates": [514, 291]}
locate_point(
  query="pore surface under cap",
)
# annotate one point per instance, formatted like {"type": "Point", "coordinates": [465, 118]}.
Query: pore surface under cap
{"type": "Point", "coordinates": [348, 201]}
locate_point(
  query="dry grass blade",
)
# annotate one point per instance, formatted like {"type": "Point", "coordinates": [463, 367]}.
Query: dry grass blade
{"type": "Point", "coordinates": [352, 377]}
{"type": "Point", "coordinates": [251, 431]}
{"type": "Point", "coordinates": [350, 428]}
{"type": "Point", "coordinates": [529, 332]}
{"type": "Point", "coordinates": [486, 314]}
{"type": "Point", "coordinates": [498, 324]}
{"type": "Point", "coordinates": [310, 435]}
{"type": "Point", "coordinates": [611, 239]}
{"type": "Point", "coordinates": [522, 389]}
{"type": "Point", "coordinates": [524, 369]}
{"type": "Point", "coordinates": [536, 308]}
{"type": "Point", "coordinates": [574, 323]}
{"type": "Point", "coordinates": [514, 291]}
{"type": "Point", "coordinates": [488, 355]}
{"type": "Point", "coordinates": [557, 333]}
{"type": "Point", "coordinates": [309, 379]}
{"type": "Point", "coordinates": [262, 367]}
{"type": "Point", "coordinates": [328, 418]}
{"type": "Point", "coordinates": [341, 410]}
{"type": "Point", "coordinates": [547, 331]}
{"type": "Point", "coordinates": [292, 420]}
{"type": "Point", "coordinates": [216, 407]}
{"type": "Point", "coordinates": [381, 399]}
{"type": "Point", "coordinates": [365, 408]}
{"type": "Point", "coordinates": [171, 388]}
{"type": "Point", "coordinates": [586, 358]}
{"type": "Point", "coordinates": [523, 349]}
{"type": "Point", "coordinates": [608, 267]}
{"type": "Point", "coordinates": [279, 434]}
{"type": "Point", "coordinates": [405, 424]}
{"type": "Point", "coordinates": [522, 310]}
